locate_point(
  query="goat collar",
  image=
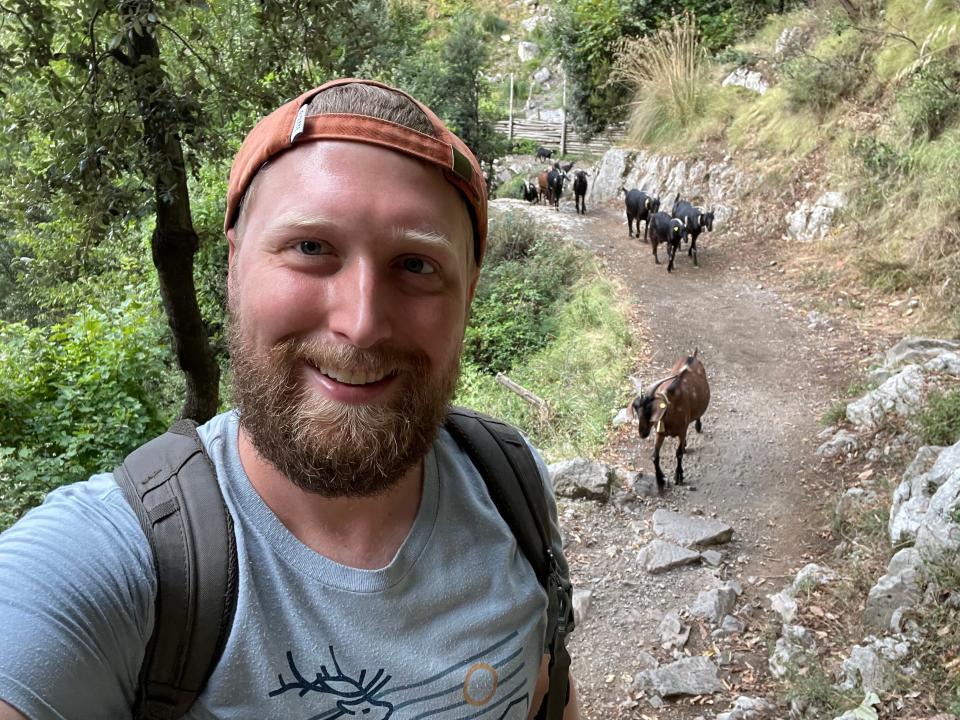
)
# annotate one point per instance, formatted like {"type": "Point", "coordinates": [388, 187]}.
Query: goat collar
{"type": "Point", "coordinates": [663, 403]}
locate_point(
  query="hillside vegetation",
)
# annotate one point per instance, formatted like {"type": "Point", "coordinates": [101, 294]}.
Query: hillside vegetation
{"type": "Point", "coordinates": [864, 102]}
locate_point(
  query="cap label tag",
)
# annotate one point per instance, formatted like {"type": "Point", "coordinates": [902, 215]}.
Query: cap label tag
{"type": "Point", "coordinates": [298, 123]}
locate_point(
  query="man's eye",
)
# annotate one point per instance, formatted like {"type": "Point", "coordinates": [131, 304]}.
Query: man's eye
{"type": "Point", "coordinates": [311, 247]}
{"type": "Point", "coordinates": [418, 266]}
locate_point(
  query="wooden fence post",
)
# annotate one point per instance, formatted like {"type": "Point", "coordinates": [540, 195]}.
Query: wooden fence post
{"type": "Point", "coordinates": [510, 131]}
{"type": "Point", "coordinates": [563, 119]}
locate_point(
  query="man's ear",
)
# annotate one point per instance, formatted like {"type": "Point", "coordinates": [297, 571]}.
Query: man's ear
{"type": "Point", "coordinates": [472, 288]}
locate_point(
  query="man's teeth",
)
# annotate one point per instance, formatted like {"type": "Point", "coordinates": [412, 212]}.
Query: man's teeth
{"type": "Point", "coordinates": [348, 377]}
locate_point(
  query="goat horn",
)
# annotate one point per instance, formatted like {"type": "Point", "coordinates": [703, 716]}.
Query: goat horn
{"type": "Point", "coordinates": [649, 391]}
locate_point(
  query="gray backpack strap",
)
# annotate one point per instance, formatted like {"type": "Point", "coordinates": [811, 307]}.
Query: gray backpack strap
{"type": "Point", "coordinates": [172, 487]}
{"type": "Point", "coordinates": [513, 480]}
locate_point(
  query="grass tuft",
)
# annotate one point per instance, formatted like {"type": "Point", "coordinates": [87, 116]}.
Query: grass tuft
{"type": "Point", "coordinates": [939, 422]}
{"type": "Point", "coordinates": [667, 72]}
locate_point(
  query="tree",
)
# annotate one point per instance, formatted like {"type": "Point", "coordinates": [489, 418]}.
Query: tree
{"type": "Point", "coordinates": [117, 106]}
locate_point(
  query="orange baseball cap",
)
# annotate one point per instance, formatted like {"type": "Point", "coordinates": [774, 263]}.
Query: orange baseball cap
{"type": "Point", "coordinates": [289, 126]}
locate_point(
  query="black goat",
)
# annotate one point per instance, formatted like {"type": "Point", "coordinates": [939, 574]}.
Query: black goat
{"type": "Point", "coordinates": [694, 220]}
{"type": "Point", "coordinates": [668, 406]}
{"type": "Point", "coordinates": [639, 207]}
{"type": "Point", "coordinates": [580, 191]}
{"type": "Point", "coordinates": [543, 153]}
{"type": "Point", "coordinates": [555, 180]}
{"type": "Point", "coordinates": [530, 192]}
{"type": "Point", "coordinates": [665, 229]}
{"type": "Point", "coordinates": [567, 166]}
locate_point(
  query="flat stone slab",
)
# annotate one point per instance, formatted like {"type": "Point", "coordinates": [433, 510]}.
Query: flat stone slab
{"type": "Point", "coordinates": [690, 531]}
{"type": "Point", "coordinates": [659, 556]}
{"type": "Point", "coordinates": [687, 676]}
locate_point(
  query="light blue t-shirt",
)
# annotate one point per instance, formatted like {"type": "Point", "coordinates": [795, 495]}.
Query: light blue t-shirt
{"type": "Point", "coordinates": [453, 627]}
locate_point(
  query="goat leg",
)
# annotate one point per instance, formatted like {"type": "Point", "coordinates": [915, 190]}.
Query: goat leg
{"type": "Point", "coordinates": [678, 475]}
{"type": "Point", "coordinates": [661, 480]}
{"type": "Point", "coordinates": [693, 251]}
{"type": "Point", "coordinates": [698, 425]}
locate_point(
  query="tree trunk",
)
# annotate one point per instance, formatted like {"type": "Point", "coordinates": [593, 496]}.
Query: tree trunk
{"type": "Point", "coordinates": [174, 242]}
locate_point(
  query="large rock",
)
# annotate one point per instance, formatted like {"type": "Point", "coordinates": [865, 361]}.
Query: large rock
{"type": "Point", "coordinates": [911, 351]}
{"type": "Point", "coordinates": [659, 556]}
{"type": "Point", "coordinates": [899, 588]}
{"type": "Point", "coordinates": [690, 531]}
{"type": "Point", "coordinates": [746, 78]}
{"type": "Point", "coordinates": [527, 51]}
{"type": "Point", "coordinates": [712, 605]}
{"type": "Point", "coordinates": [672, 632]}
{"type": "Point", "coordinates": [581, 478]}
{"type": "Point", "coordinates": [794, 650]}
{"type": "Point", "coordinates": [901, 394]}
{"type": "Point", "coordinates": [939, 533]}
{"type": "Point", "coordinates": [912, 496]}
{"type": "Point", "coordinates": [747, 708]}
{"type": "Point", "coordinates": [842, 443]}
{"type": "Point", "coordinates": [872, 666]}
{"type": "Point", "coordinates": [687, 676]}
{"type": "Point", "coordinates": [813, 221]}
{"type": "Point", "coordinates": [790, 43]}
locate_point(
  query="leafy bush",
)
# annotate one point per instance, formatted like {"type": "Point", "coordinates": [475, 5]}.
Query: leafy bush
{"type": "Point", "coordinates": [939, 422]}
{"type": "Point", "coordinates": [525, 275]}
{"type": "Point", "coordinates": [579, 373]}
{"type": "Point", "coordinates": [524, 146]}
{"type": "Point", "coordinates": [512, 188]}
{"type": "Point", "coordinates": [666, 72]}
{"type": "Point", "coordinates": [879, 159]}
{"type": "Point", "coordinates": [931, 100]}
{"type": "Point", "coordinates": [819, 84]}
{"type": "Point", "coordinates": [77, 396]}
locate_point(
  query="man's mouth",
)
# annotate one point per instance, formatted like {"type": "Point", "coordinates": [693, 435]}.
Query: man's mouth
{"type": "Point", "coordinates": [356, 377]}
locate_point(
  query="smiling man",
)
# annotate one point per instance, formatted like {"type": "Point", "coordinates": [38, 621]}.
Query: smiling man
{"type": "Point", "coordinates": [375, 575]}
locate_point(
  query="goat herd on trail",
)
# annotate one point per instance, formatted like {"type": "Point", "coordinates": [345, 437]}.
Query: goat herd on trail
{"type": "Point", "coordinates": [670, 405]}
{"type": "Point", "coordinates": [684, 222]}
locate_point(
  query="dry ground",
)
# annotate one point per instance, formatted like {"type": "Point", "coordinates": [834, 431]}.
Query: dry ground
{"type": "Point", "coordinates": [774, 369]}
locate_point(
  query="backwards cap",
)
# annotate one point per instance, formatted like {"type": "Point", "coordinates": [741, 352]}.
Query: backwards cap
{"type": "Point", "coordinates": [289, 126]}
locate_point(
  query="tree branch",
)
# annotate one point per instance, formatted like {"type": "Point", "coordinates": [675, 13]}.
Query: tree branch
{"type": "Point", "coordinates": [200, 59]}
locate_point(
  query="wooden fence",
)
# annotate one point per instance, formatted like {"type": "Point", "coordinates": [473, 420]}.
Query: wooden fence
{"type": "Point", "coordinates": [557, 135]}
{"type": "Point", "coordinates": [554, 136]}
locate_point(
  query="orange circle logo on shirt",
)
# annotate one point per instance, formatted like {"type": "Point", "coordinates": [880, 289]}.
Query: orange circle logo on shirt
{"type": "Point", "coordinates": [483, 686]}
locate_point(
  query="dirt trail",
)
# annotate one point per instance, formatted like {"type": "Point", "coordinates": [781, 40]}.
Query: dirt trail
{"type": "Point", "coordinates": [771, 377]}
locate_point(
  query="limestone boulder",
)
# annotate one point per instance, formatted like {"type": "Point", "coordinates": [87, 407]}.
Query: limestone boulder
{"type": "Point", "coordinates": [912, 496]}
{"type": "Point", "coordinates": [582, 479]}
{"type": "Point", "coordinates": [901, 394]}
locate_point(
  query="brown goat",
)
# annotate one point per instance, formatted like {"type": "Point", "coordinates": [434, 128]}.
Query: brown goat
{"type": "Point", "coordinates": [544, 187]}
{"type": "Point", "coordinates": [669, 405]}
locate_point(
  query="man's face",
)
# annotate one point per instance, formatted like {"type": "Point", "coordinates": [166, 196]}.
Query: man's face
{"type": "Point", "coordinates": [350, 280]}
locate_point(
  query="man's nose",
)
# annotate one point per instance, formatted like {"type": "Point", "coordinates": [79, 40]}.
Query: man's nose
{"type": "Point", "coordinates": [360, 311]}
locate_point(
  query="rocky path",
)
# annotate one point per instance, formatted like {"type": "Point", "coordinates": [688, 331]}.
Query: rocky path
{"type": "Point", "coordinates": [772, 375]}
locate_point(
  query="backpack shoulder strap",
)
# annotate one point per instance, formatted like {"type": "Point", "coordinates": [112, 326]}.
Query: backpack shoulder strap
{"type": "Point", "coordinates": [513, 480]}
{"type": "Point", "coordinates": [172, 487]}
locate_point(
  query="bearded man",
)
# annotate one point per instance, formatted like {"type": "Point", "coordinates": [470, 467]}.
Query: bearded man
{"type": "Point", "coordinates": [375, 575]}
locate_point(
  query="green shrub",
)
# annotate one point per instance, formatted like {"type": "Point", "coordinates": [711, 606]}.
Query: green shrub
{"type": "Point", "coordinates": [525, 275]}
{"type": "Point", "coordinates": [819, 84]}
{"type": "Point", "coordinates": [579, 372]}
{"type": "Point", "coordinates": [931, 100]}
{"type": "Point", "coordinates": [493, 24]}
{"type": "Point", "coordinates": [512, 188]}
{"type": "Point", "coordinates": [880, 159]}
{"type": "Point", "coordinates": [939, 422]}
{"type": "Point", "coordinates": [524, 146]}
{"type": "Point", "coordinates": [77, 396]}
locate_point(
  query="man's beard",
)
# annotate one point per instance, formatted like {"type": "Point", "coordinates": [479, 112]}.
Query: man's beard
{"type": "Point", "coordinates": [330, 448]}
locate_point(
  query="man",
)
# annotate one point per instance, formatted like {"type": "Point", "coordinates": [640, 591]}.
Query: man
{"type": "Point", "coordinates": [376, 576]}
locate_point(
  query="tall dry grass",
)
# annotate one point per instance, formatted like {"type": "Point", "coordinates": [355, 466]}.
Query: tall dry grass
{"type": "Point", "coordinates": [667, 72]}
